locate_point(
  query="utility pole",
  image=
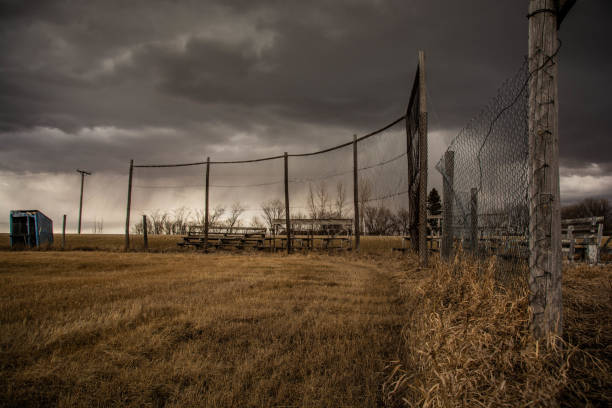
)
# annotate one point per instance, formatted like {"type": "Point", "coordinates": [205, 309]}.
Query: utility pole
{"type": "Point", "coordinates": [545, 273]}
{"type": "Point", "coordinates": [83, 174]}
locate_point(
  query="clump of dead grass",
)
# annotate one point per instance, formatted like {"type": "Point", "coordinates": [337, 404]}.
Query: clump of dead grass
{"type": "Point", "coordinates": [468, 344]}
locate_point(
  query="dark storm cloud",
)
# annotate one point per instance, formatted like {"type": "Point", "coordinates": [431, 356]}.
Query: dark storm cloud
{"type": "Point", "coordinates": [188, 75]}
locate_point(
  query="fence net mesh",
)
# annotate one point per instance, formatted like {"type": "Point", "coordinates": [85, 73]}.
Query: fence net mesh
{"type": "Point", "coordinates": [488, 180]}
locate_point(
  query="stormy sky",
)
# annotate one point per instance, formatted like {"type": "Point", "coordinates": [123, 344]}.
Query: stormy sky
{"type": "Point", "coordinates": [94, 84]}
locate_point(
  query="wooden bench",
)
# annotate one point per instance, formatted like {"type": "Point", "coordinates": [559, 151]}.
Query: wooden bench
{"type": "Point", "coordinates": [582, 236]}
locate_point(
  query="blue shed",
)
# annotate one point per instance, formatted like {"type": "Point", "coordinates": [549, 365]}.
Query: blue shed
{"type": "Point", "coordinates": [31, 228]}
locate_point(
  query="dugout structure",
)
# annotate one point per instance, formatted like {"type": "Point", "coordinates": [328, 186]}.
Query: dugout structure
{"type": "Point", "coordinates": [30, 228]}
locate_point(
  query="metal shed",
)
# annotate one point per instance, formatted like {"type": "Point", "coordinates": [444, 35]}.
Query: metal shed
{"type": "Point", "coordinates": [30, 228]}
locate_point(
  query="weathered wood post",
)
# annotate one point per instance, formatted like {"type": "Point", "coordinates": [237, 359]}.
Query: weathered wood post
{"type": "Point", "coordinates": [447, 196]}
{"type": "Point", "coordinates": [287, 214]}
{"type": "Point", "coordinates": [64, 232]}
{"type": "Point", "coordinates": [145, 236]}
{"type": "Point", "coordinates": [572, 245]}
{"type": "Point", "coordinates": [423, 253]}
{"type": "Point", "coordinates": [129, 203]}
{"type": "Point", "coordinates": [545, 273]}
{"type": "Point", "coordinates": [83, 173]}
{"type": "Point", "coordinates": [206, 205]}
{"type": "Point", "coordinates": [474, 220]}
{"type": "Point", "coordinates": [356, 194]}
{"type": "Point", "coordinates": [598, 240]}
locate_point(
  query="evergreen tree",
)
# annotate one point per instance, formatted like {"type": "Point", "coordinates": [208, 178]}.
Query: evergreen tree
{"type": "Point", "coordinates": [434, 206]}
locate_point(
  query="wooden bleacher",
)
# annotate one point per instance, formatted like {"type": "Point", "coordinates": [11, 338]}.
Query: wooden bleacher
{"type": "Point", "coordinates": [582, 237]}
{"type": "Point", "coordinates": [310, 234]}
{"type": "Point", "coordinates": [224, 237]}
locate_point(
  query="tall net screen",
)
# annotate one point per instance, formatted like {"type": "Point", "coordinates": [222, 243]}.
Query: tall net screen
{"type": "Point", "coordinates": [485, 172]}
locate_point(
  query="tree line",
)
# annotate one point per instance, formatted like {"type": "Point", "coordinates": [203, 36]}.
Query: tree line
{"type": "Point", "coordinates": [321, 203]}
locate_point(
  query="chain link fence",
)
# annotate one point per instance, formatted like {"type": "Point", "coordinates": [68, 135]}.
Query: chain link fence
{"type": "Point", "coordinates": [485, 180]}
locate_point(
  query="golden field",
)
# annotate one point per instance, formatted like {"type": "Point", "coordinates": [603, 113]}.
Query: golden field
{"type": "Point", "coordinates": [171, 327]}
{"type": "Point", "coordinates": [134, 329]}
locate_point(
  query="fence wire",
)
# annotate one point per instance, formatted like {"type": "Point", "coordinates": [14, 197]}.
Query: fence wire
{"type": "Point", "coordinates": [485, 173]}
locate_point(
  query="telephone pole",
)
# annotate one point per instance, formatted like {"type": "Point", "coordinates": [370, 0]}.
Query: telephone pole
{"type": "Point", "coordinates": [83, 173]}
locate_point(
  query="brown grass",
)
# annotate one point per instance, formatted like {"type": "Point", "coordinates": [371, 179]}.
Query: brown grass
{"type": "Point", "coordinates": [117, 329]}
{"type": "Point", "coordinates": [167, 243]}
{"type": "Point", "coordinates": [467, 342]}
{"type": "Point", "coordinates": [258, 329]}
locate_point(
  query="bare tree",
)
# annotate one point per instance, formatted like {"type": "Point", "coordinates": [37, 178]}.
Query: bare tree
{"type": "Point", "coordinates": [319, 202]}
{"type": "Point", "coordinates": [365, 195]}
{"type": "Point", "coordinates": [215, 216]}
{"type": "Point", "coordinates": [340, 201]}
{"type": "Point", "coordinates": [97, 226]}
{"type": "Point", "coordinates": [379, 220]}
{"type": "Point", "coordinates": [181, 220]}
{"type": "Point", "coordinates": [273, 210]}
{"type": "Point", "coordinates": [402, 220]}
{"type": "Point", "coordinates": [158, 220]}
{"type": "Point", "coordinates": [256, 222]}
{"type": "Point", "coordinates": [235, 212]}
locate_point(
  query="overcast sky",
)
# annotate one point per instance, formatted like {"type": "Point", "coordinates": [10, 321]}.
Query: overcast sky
{"type": "Point", "coordinates": [93, 84]}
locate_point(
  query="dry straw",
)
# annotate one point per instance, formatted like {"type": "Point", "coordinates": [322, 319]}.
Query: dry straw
{"type": "Point", "coordinates": [467, 342]}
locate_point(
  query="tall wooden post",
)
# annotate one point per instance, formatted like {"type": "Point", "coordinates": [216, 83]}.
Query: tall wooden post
{"type": "Point", "coordinates": [83, 173]}
{"type": "Point", "coordinates": [448, 179]}
{"type": "Point", "coordinates": [544, 208]}
{"type": "Point", "coordinates": [206, 205]}
{"type": "Point", "coordinates": [64, 232]}
{"type": "Point", "coordinates": [423, 253]}
{"type": "Point", "coordinates": [145, 235]}
{"type": "Point", "coordinates": [287, 214]}
{"type": "Point", "coordinates": [129, 204]}
{"type": "Point", "coordinates": [474, 220]}
{"type": "Point", "coordinates": [356, 193]}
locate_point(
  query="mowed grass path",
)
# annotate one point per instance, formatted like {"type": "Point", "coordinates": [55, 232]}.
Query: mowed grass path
{"type": "Point", "coordinates": [136, 329]}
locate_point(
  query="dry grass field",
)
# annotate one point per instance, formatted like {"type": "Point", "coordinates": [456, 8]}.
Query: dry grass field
{"type": "Point", "coordinates": [167, 243]}
{"type": "Point", "coordinates": [133, 329]}
{"type": "Point", "coordinates": [100, 327]}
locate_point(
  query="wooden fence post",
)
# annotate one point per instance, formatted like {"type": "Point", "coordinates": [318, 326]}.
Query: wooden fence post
{"type": "Point", "coordinates": [145, 236]}
{"type": "Point", "coordinates": [287, 214]}
{"type": "Point", "coordinates": [423, 253]}
{"type": "Point", "coordinates": [448, 197]}
{"type": "Point", "coordinates": [545, 273]}
{"type": "Point", "coordinates": [570, 237]}
{"type": "Point", "coordinates": [206, 205]}
{"type": "Point", "coordinates": [64, 232]}
{"type": "Point", "coordinates": [129, 203]}
{"type": "Point", "coordinates": [598, 242]}
{"type": "Point", "coordinates": [356, 194]}
{"type": "Point", "coordinates": [474, 220]}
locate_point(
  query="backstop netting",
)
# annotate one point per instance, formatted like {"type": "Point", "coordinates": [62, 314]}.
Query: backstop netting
{"type": "Point", "coordinates": [485, 177]}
